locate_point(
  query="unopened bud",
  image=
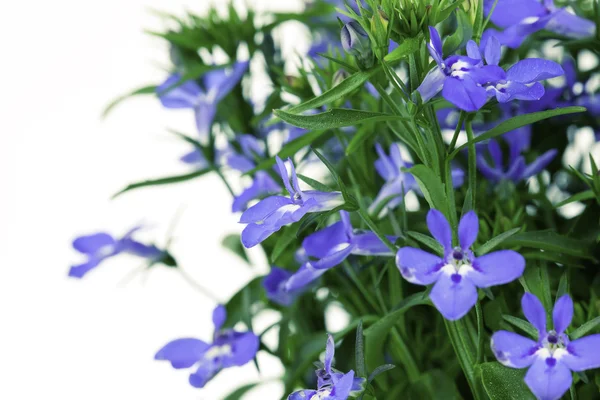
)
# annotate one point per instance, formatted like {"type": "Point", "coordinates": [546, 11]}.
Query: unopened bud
{"type": "Point", "coordinates": [356, 41]}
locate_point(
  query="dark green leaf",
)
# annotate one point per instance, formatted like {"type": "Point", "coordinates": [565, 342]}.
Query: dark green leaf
{"type": "Point", "coordinates": [585, 328]}
{"type": "Point", "coordinates": [495, 241]}
{"type": "Point", "coordinates": [431, 186]}
{"type": "Point", "coordinates": [315, 184]}
{"type": "Point", "coordinates": [286, 237]}
{"type": "Point", "coordinates": [234, 243]}
{"type": "Point", "coordinates": [521, 324]}
{"type": "Point", "coordinates": [550, 241]}
{"type": "Point", "coordinates": [164, 181]}
{"type": "Point", "coordinates": [408, 46]}
{"type": "Point", "coordinates": [587, 195]}
{"type": "Point", "coordinates": [381, 327]}
{"type": "Point", "coordinates": [140, 91]}
{"type": "Point", "coordinates": [380, 370]}
{"type": "Point", "coordinates": [427, 241]}
{"type": "Point", "coordinates": [503, 383]}
{"type": "Point", "coordinates": [334, 118]}
{"type": "Point", "coordinates": [360, 351]}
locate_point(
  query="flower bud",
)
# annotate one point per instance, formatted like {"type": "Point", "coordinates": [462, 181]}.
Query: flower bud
{"type": "Point", "coordinates": [356, 41]}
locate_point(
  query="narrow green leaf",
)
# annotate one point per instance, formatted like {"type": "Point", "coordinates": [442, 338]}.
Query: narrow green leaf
{"type": "Point", "coordinates": [334, 118]}
{"type": "Point", "coordinates": [503, 383]}
{"type": "Point", "coordinates": [379, 370]}
{"type": "Point", "coordinates": [164, 181]}
{"type": "Point", "coordinates": [431, 186]}
{"type": "Point", "coordinates": [288, 235]}
{"type": "Point", "coordinates": [495, 241]}
{"type": "Point", "coordinates": [347, 86]}
{"type": "Point", "coordinates": [427, 241]}
{"type": "Point", "coordinates": [241, 391]}
{"type": "Point", "coordinates": [581, 196]}
{"type": "Point", "coordinates": [550, 241]}
{"type": "Point", "coordinates": [382, 327]}
{"type": "Point", "coordinates": [563, 285]}
{"type": "Point", "coordinates": [315, 184]}
{"type": "Point", "coordinates": [408, 46]}
{"type": "Point", "coordinates": [360, 351]}
{"type": "Point", "coordinates": [140, 91]}
{"type": "Point", "coordinates": [521, 324]}
{"type": "Point", "coordinates": [585, 328]}
{"type": "Point", "coordinates": [358, 139]}
{"type": "Point", "coordinates": [462, 34]}
{"type": "Point", "coordinates": [519, 121]}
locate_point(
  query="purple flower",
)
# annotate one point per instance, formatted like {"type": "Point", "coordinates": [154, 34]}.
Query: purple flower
{"type": "Point", "coordinates": [457, 274]}
{"type": "Point", "coordinates": [552, 358]}
{"type": "Point", "coordinates": [331, 384]}
{"type": "Point", "coordinates": [195, 158]}
{"type": "Point", "coordinates": [100, 246]}
{"type": "Point", "coordinates": [356, 41]}
{"type": "Point", "coordinates": [459, 78]}
{"type": "Point", "coordinates": [276, 287]}
{"type": "Point", "coordinates": [521, 18]}
{"type": "Point", "coordinates": [335, 243]}
{"type": "Point", "coordinates": [203, 100]}
{"type": "Point", "coordinates": [272, 213]}
{"type": "Point", "coordinates": [262, 183]}
{"type": "Point", "coordinates": [229, 348]}
{"type": "Point", "coordinates": [516, 170]}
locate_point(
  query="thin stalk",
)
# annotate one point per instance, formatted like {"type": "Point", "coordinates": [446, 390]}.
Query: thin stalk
{"type": "Point", "coordinates": [461, 120]}
{"type": "Point", "coordinates": [406, 358]}
{"type": "Point", "coordinates": [357, 282]}
{"type": "Point", "coordinates": [480, 333]}
{"type": "Point", "coordinates": [472, 163]}
{"type": "Point", "coordinates": [365, 217]}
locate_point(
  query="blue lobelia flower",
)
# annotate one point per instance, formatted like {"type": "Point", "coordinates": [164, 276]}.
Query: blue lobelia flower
{"type": "Point", "coordinates": [277, 288]}
{"type": "Point", "coordinates": [203, 100]}
{"type": "Point", "coordinates": [521, 81]}
{"type": "Point", "coordinates": [459, 78]}
{"type": "Point", "coordinates": [262, 185]}
{"type": "Point", "coordinates": [100, 246]}
{"type": "Point", "coordinates": [457, 274]}
{"type": "Point", "coordinates": [515, 170]}
{"type": "Point", "coordinates": [553, 356]}
{"type": "Point", "coordinates": [196, 159]}
{"type": "Point", "coordinates": [331, 384]}
{"type": "Point", "coordinates": [335, 243]}
{"type": "Point", "coordinates": [229, 348]}
{"type": "Point", "coordinates": [272, 213]}
{"type": "Point", "coordinates": [521, 18]}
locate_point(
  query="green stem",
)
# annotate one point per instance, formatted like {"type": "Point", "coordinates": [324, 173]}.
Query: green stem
{"type": "Point", "coordinates": [465, 359]}
{"type": "Point", "coordinates": [461, 120]}
{"type": "Point", "coordinates": [358, 283]}
{"type": "Point", "coordinates": [472, 163]}
{"type": "Point", "coordinates": [480, 333]}
{"type": "Point", "coordinates": [376, 231]}
{"type": "Point", "coordinates": [406, 357]}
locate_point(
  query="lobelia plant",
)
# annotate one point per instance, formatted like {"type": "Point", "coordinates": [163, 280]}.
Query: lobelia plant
{"type": "Point", "coordinates": [405, 116]}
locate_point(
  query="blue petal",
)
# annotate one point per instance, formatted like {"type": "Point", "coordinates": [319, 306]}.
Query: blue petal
{"type": "Point", "coordinates": [223, 81]}
{"type": "Point", "coordinates": [440, 228]}
{"type": "Point", "coordinates": [534, 312]}
{"type": "Point", "coordinates": [515, 172]}
{"type": "Point", "coordinates": [548, 381]}
{"type": "Point", "coordinates": [497, 268]}
{"type": "Point", "coordinates": [509, 12]}
{"type": "Point", "coordinates": [432, 84]}
{"type": "Point", "coordinates": [182, 353]}
{"type": "Point", "coordinates": [389, 191]}
{"type": "Point", "coordinates": [513, 350]}
{"type": "Point", "coordinates": [369, 244]}
{"type": "Point", "coordinates": [264, 208]}
{"type": "Point", "coordinates": [219, 317]}
{"type": "Point", "coordinates": [244, 346]}
{"type": "Point", "coordinates": [519, 91]}
{"type": "Point", "coordinates": [487, 74]}
{"type": "Point", "coordinates": [342, 388]}
{"type": "Point", "coordinates": [263, 185]}
{"type": "Point", "coordinates": [90, 244]}
{"type": "Point", "coordinates": [274, 285]}
{"type": "Point", "coordinates": [316, 201]}
{"type": "Point", "coordinates": [468, 228]}
{"type": "Point", "coordinates": [320, 243]}
{"type": "Point", "coordinates": [305, 275]}
{"type": "Point", "coordinates": [533, 70]}
{"type": "Point", "coordinates": [583, 353]}
{"type": "Point", "coordinates": [283, 172]}
{"type": "Point", "coordinates": [418, 266]}
{"type": "Point", "coordinates": [539, 164]}
{"type": "Point", "coordinates": [492, 50]}
{"type": "Point", "coordinates": [464, 94]}
{"type": "Point", "coordinates": [453, 298]}
{"type": "Point", "coordinates": [79, 271]}
{"type": "Point", "coordinates": [567, 24]}
{"type": "Point", "coordinates": [329, 353]}
{"type": "Point", "coordinates": [473, 50]}
{"type": "Point", "coordinates": [562, 313]}
{"type": "Point", "coordinates": [195, 158]}
{"type": "Point", "coordinates": [435, 45]}
{"type": "Point", "coordinates": [490, 173]}
{"type": "Point", "coordinates": [335, 257]}
{"type": "Point", "coordinates": [183, 96]}
{"type": "Point", "coordinates": [384, 165]}
{"type": "Point", "coordinates": [305, 394]}
{"type": "Point", "coordinates": [206, 370]}
{"type": "Point", "coordinates": [205, 114]}
{"type": "Point", "coordinates": [496, 153]}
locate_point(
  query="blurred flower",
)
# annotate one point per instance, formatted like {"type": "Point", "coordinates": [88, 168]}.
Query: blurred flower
{"type": "Point", "coordinates": [459, 273]}
{"type": "Point", "coordinates": [275, 287]}
{"type": "Point", "coordinates": [552, 358]}
{"type": "Point", "coordinates": [516, 170]}
{"type": "Point", "coordinates": [100, 246]}
{"type": "Point", "coordinates": [272, 213]}
{"type": "Point", "coordinates": [195, 158]}
{"type": "Point", "coordinates": [521, 18]}
{"type": "Point", "coordinates": [331, 384]}
{"type": "Point", "coordinates": [229, 348]}
{"type": "Point", "coordinates": [216, 85]}
{"type": "Point", "coordinates": [356, 41]}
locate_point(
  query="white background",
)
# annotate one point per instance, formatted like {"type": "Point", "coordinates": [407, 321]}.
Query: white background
{"type": "Point", "coordinates": [61, 62]}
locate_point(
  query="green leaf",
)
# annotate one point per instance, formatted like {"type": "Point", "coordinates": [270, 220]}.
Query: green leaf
{"type": "Point", "coordinates": [347, 86]}
{"type": "Point", "coordinates": [163, 181]}
{"type": "Point", "coordinates": [519, 121]}
{"type": "Point", "coordinates": [462, 34]}
{"type": "Point", "coordinates": [431, 186]}
{"type": "Point", "coordinates": [382, 327]}
{"type": "Point", "coordinates": [347, 198]}
{"type": "Point", "coordinates": [427, 241]}
{"type": "Point", "coordinates": [239, 392]}
{"type": "Point", "coordinates": [234, 243]}
{"type": "Point", "coordinates": [550, 241]}
{"type": "Point", "coordinates": [315, 184]}
{"type": "Point", "coordinates": [287, 236]}
{"type": "Point", "coordinates": [586, 195]}
{"type": "Point", "coordinates": [358, 140]}
{"type": "Point", "coordinates": [585, 328]}
{"type": "Point", "coordinates": [334, 118]}
{"type": "Point", "coordinates": [359, 351]}
{"type": "Point", "coordinates": [380, 370]}
{"type": "Point", "coordinates": [239, 307]}
{"type": "Point", "coordinates": [503, 383]}
{"type": "Point", "coordinates": [521, 324]}
{"type": "Point", "coordinates": [408, 46]}
{"type": "Point", "coordinates": [140, 91]}
{"type": "Point", "coordinates": [495, 241]}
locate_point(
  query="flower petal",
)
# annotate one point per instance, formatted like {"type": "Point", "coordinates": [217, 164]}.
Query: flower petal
{"type": "Point", "coordinates": [335, 257]}
{"type": "Point", "coordinates": [464, 94]}
{"type": "Point", "coordinates": [283, 172]}
{"type": "Point", "coordinates": [509, 12]}
{"type": "Point", "coordinates": [418, 266]}
{"type": "Point", "coordinates": [513, 350]}
{"type": "Point", "coordinates": [548, 380]}
{"type": "Point", "coordinates": [440, 228]}
{"type": "Point", "coordinates": [432, 84]}
{"type": "Point", "coordinates": [182, 353]}
{"type": "Point", "coordinates": [304, 394]}
{"type": "Point", "coordinates": [539, 164]}
{"type": "Point", "coordinates": [453, 296]}
{"type": "Point", "coordinates": [244, 346]}
{"type": "Point", "coordinates": [205, 114]}
{"type": "Point", "coordinates": [329, 353]}
{"type": "Point", "coordinates": [274, 285]}
{"type": "Point", "coordinates": [534, 312]}
{"type": "Point", "coordinates": [90, 244]}
{"type": "Point", "coordinates": [562, 313]}
{"type": "Point", "coordinates": [533, 69]}
{"type": "Point", "coordinates": [219, 317]}
{"type": "Point", "coordinates": [583, 353]}
{"type": "Point", "coordinates": [320, 243]}
{"type": "Point", "coordinates": [496, 268]}
{"type": "Point", "coordinates": [567, 24]}
{"type": "Point", "coordinates": [206, 370]}
{"type": "Point", "coordinates": [468, 228]}
{"type": "Point", "coordinates": [369, 244]}
{"type": "Point", "coordinates": [305, 275]}
{"type": "Point", "coordinates": [79, 271]}
{"type": "Point", "coordinates": [492, 50]}
{"type": "Point", "coordinates": [473, 50]}
{"type": "Point", "coordinates": [342, 388]}
{"type": "Point", "coordinates": [195, 158]}
{"type": "Point", "coordinates": [264, 208]}
{"type": "Point", "coordinates": [181, 96]}
{"type": "Point", "coordinates": [435, 45]}
{"type": "Point", "coordinates": [262, 185]}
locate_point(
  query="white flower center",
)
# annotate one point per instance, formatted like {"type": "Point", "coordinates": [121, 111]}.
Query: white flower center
{"type": "Point", "coordinates": [217, 352]}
